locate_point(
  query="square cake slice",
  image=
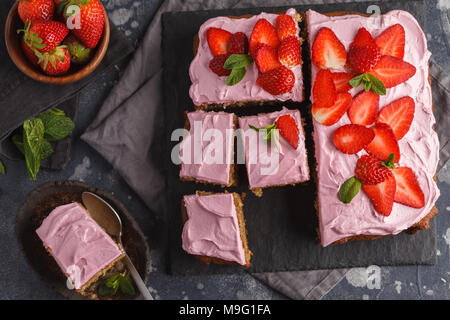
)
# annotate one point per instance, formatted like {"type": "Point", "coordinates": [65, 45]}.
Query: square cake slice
{"type": "Point", "coordinates": [214, 228]}
{"type": "Point", "coordinates": [274, 157]}
{"type": "Point", "coordinates": [207, 152]}
{"type": "Point", "coordinates": [268, 45]}
{"type": "Point", "coordinates": [80, 247]}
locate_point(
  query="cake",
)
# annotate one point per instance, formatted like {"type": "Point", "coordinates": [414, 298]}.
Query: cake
{"type": "Point", "coordinates": [214, 228]}
{"type": "Point", "coordinates": [81, 248]}
{"type": "Point", "coordinates": [206, 152]}
{"type": "Point", "coordinates": [249, 59]}
{"type": "Point", "coordinates": [280, 160]}
{"type": "Point", "coordinates": [373, 125]}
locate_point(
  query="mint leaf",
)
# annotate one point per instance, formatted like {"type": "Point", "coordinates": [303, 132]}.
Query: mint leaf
{"type": "Point", "coordinates": [236, 75]}
{"type": "Point", "coordinates": [2, 168]}
{"type": "Point", "coordinates": [110, 286]}
{"type": "Point", "coordinates": [47, 149]}
{"type": "Point", "coordinates": [349, 190]}
{"type": "Point", "coordinates": [377, 87]}
{"type": "Point", "coordinates": [126, 287]}
{"type": "Point", "coordinates": [237, 61]}
{"type": "Point", "coordinates": [389, 163]}
{"type": "Point", "coordinates": [105, 290]}
{"type": "Point", "coordinates": [17, 139]}
{"type": "Point", "coordinates": [33, 137]}
{"type": "Point", "coordinates": [57, 125]}
{"type": "Point", "coordinates": [356, 81]}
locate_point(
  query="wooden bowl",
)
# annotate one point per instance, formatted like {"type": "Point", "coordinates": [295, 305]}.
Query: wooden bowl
{"type": "Point", "coordinates": [75, 73]}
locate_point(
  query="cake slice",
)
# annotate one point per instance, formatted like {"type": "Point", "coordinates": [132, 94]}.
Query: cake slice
{"type": "Point", "coordinates": [81, 248]}
{"type": "Point", "coordinates": [375, 146]}
{"type": "Point", "coordinates": [248, 59]}
{"type": "Point", "coordinates": [214, 228]}
{"type": "Point", "coordinates": [207, 151]}
{"type": "Point", "coordinates": [274, 147]}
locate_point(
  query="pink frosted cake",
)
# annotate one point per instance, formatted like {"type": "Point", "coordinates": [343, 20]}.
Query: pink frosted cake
{"type": "Point", "coordinates": [375, 146]}
{"type": "Point", "coordinates": [207, 151]}
{"type": "Point", "coordinates": [80, 247]}
{"type": "Point", "coordinates": [214, 228]}
{"type": "Point", "coordinates": [278, 160]}
{"type": "Point", "coordinates": [247, 59]}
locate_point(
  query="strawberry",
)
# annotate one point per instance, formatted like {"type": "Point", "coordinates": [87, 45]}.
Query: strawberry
{"type": "Point", "coordinates": [393, 71]}
{"type": "Point", "coordinates": [382, 195]}
{"type": "Point", "coordinates": [216, 65]}
{"type": "Point", "coordinates": [399, 115]}
{"type": "Point", "coordinates": [30, 10]}
{"type": "Point", "coordinates": [408, 190]}
{"type": "Point", "coordinates": [79, 53]}
{"type": "Point", "coordinates": [362, 59]}
{"type": "Point", "coordinates": [290, 52]}
{"type": "Point", "coordinates": [327, 51]}
{"type": "Point", "coordinates": [92, 20]}
{"type": "Point", "coordinates": [237, 44]}
{"type": "Point", "coordinates": [352, 138]}
{"type": "Point", "coordinates": [263, 32]}
{"type": "Point", "coordinates": [324, 91]}
{"type": "Point", "coordinates": [364, 108]}
{"type": "Point", "coordinates": [277, 81]}
{"type": "Point", "coordinates": [330, 115]}
{"type": "Point", "coordinates": [285, 27]}
{"type": "Point", "coordinates": [370, 170]}
{"type": "Point", "coordinates": [341, 81]}
{"type": "Point", "coordinates": [288, 129]}
{"type": "Point", "coordinates": [56, 62]}
{"type": "Point", "coordinates": [384, 143]}
{"type": "Point", "coordinates": [44, 36]}
{"type": "Point", "coordinates": [266, 58]}
{"type": "Point", "coordinates": [363, 38]}
{"type": "Point", "coordinates": [30, 54]}
{"type": "Point", "coordinates": [392, 41]}
{"type": "Point", "coordinates": [217, 40]}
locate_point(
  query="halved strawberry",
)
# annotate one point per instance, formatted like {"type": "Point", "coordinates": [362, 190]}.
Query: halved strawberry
{"type": "Point", "coordinates": [393, 71]}
{"type": "Point", "coordinates": [216, 65]}
{"type": "Point", "coordinates": [288, 129]}
{"type": "Point", "coordinates": [352, 138]}
{"type": "Point", "coordinates": [290, 52]}
{"type": "Point", "coordinates": [285, 26]}
{"type": "Point", "coordinates": [263, 32]}
{"type": "Point", "coordinates": [341, 81]}
{"type": "Point", "coordinates": [408, 190]}
{"type": "Point", "coordinates": [217, 40]}
{"type": "Point", "coordinates": [266, 58]}
{"type": "Point", "coordinates": [324, 91]}
{"type": "Point", "coordinates": [362, 59]}
{"type": "Point", "coordinates": [330, 115]}
{"type": "Point", "coordinates": [382, 195]}
{"type": "Point", "coordinates": [238, 44]}
{"type": "Point", "coordinates": [364, 108]}
{"type": "Point", "coordinates": [370, 170]}
{"type": "Point", "coordinates": [384, 143]}
{"type": "Point", "coordinates": [392, 41]}
{"type": "Point", "coordinates": [327, 51]}
{"type": "Point", "coordinates": [399, 115]}
{"type": "Point", "coordinates": [363, 38]}
{"type": "Point", "coordinates": [277, 81]}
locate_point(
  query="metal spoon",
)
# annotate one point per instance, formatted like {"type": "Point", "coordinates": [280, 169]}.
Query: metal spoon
{"type": "Point", "coordinates": [109, 220]}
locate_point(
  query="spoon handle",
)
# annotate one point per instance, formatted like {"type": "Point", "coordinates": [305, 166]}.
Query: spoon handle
{"type": "Point", "coordinates": [137, 279]}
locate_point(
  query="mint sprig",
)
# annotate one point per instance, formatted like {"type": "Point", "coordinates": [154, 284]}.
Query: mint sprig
{"type": "Point", "coordinates": [369, 82]}
{"type": "Point", "coordinates": [271, 132]}
{"type": "Point", "coordinates": [237, 63]}
{"type": "Point", "coordinates": [111, 286]}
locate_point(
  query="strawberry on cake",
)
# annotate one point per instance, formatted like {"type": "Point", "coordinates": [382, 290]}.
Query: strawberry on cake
{"type": "Point", "coordinates": [243, 60]}
{"type": "Point", "coordinates": [376, 149]}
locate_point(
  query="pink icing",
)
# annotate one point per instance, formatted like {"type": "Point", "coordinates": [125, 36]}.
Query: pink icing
{"type": "Point", "coordinates": [206, 168]}
{"type": "Point", "coordinates": [77, 243]}
{"type": "Point", "coordinates": [291, 165]}
{"type": "Point", "coordinates": [419, 148]}
{"type": "Point", "coordinates": [207, 87]}
{"type": "Point", "coordinates": [212, 228]}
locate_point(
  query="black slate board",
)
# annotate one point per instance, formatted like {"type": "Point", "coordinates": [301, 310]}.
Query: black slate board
{"type": "Point", "coordinates": [281, 225]}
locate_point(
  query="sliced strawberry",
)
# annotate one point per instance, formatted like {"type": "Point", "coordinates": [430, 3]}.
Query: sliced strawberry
{"type": "Point", "coordinates": [382, 195]}
{"type": "Point", "coordinates": [288, 129]}
{"type": "Point", "coordinates": [370, 170]}
{"type": "Point", "coordinates": [263, 32]}
{"type": "Point", "coordinates": [324, 91]}
{"type": "Point", "coordinates": [362, 59]}
{"type": "Point", "coordinates": [393, 71]}
{"type": "Point", "coordinates": [327, 51]}
{"type": "Point", "coordinates": [341, 81]}
{"type": "Point", "coordinates": [364, 108]}
{"type": "Point", "coordinates": [363, 38]}
{"type": "Point", "coordinates": [266, 58]}
{"type": "Point", "coordinates": [384, 143]}
{"type": "Point", "coordinates": [352, 138]}
{"type": "Point", "coordinates": [238, 44]}
{"type": "Point", "coordinates": [330, 115]}
{"type": "Point", "coordinates": [408, 190]}
{"type": "Point", "coordinates": [399, 115]}
{"type": "Point", "coordinates": [217, 40]}
{"type": "Point", "coordinates": [216, 65]}
{"type": "Point", "coordinates": [392, 41]}
{"type": "Point", "coordinates": [285, 26]}
{"type": "Point", "coordinates": [277, 81]}
{"type": "Point", "coordinates": [290, 52]}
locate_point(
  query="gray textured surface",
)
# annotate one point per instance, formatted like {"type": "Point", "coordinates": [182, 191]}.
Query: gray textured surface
{"type": "Point", "coordinates": [132, 17]}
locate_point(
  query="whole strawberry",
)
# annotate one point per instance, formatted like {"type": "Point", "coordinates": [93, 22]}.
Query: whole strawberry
{"type": "Point", "coordinates": [44, 36]}
{"type": "Point", "coordinates": [79, 53]}
{"type": "Point", "coordinates": [56, 62]}
{"type": "Point", "coordinates": [30, 54]}
{"type": "Point", "coordinates": [30, 10]}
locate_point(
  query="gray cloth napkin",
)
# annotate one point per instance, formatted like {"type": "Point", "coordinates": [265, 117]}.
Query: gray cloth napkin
{"type": "Point", "coordinates": [127, 133]}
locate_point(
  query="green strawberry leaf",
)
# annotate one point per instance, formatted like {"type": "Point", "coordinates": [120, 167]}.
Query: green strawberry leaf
{"type": "Point", "coordinates": [237, 61]}
{"type": "Point", "coordinates": [236, 75]}
{"type": "Point", "coordinates": [349, 190]}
